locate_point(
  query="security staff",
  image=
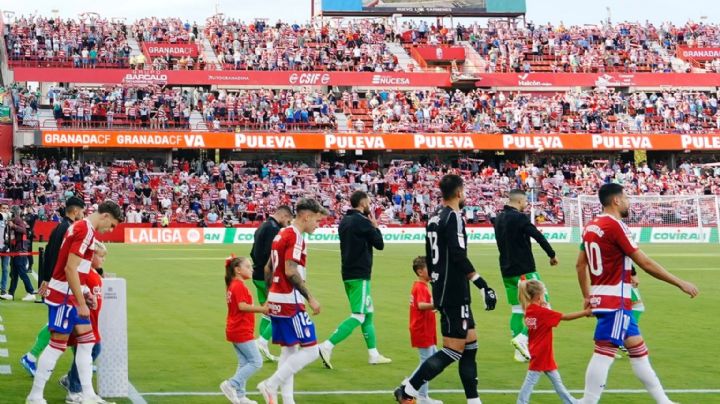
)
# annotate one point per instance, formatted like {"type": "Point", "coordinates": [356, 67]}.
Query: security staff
{"type": "Point", "coordinates": [513, 230]}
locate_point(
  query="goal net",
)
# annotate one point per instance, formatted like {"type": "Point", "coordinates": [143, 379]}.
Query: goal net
{"type": "Point", "coordinates": [654, 219]}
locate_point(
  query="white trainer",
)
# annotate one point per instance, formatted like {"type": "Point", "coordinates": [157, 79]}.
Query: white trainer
{"type": "Point", "coordinates": [245, 400]}
{"type": "Point", "coordinates": [35, 401]}
{"type": "Point", "coordinates": [73, 398]}
{"type": "Point", "coordinates": [379, 360]}
{"type": "Point", "coordinates": [229, 391]}
{"type": "Point", "coordinates": [520, 342]}
{"type": "Point", "coordinates": [265, 351]}
{"type": "Point", "coordinates": [29, 298]}
{"type": "Point", "coordinates": [325, 354]}
{"type": "Point", "coordinates": [268, 393]}
{"type": "Point", "coordinates": [428, 400]}
{"type": "Point", "coordinates": [519, 357]}
{"type": "Point", "coordinates": [95, 400]}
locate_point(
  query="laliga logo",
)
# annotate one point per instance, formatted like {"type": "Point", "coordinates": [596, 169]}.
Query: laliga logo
{"type": "Point", "coordinates": [193, 236]}
{"type": "Point", "coordinates": [309, 78]}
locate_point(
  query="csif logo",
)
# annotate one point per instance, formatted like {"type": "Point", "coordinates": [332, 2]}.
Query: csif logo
{"type": "Point", "coordinates": [309, 78]}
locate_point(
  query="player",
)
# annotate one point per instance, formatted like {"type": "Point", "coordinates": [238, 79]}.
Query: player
{"type": "Point", "coordinates": [540, 320]}
{"type": "Point", "coordinates": [604, 272]}
{"type": "Point", "coordinates": [68, 311]}
{"type": "Point", "coordinates": [450, 271]}
{"type": "Point", "coordinates": [292, 327]}
{"type": "Point", "coordinates": [71, 381]}
{"type": "Point", "coordinates": [513, 230]}
{"type": "Point", "coordinates": [260, 254]}
{"type": "Point", "coordinates": [74, 211]}
{"type": "Point", "coordinates": [359, 235]}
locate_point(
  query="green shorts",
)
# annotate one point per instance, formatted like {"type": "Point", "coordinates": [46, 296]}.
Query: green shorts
{"type": "Point", "coordinates": [511, 288]}
{"type": "Point", "coordinates": [262, 291]}
{"type": "Point", "coordinates": [358, 293]}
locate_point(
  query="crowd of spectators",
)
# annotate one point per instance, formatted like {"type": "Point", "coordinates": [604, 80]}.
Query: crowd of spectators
{"type": "Point", "coordinates": [340, 45]}
{"type": "Point", "coordinates": [626, 47]}
{"type": "Point", "coordinates": [482, 111]}
{"type": "Point", "coordinates": [87, 42]}
{"type": "Point", "coordinates": [403, 192]}
{"type": "Point", "coordinates": [270, 110]}
{"type": "Point", "coordinates": [361, 44]}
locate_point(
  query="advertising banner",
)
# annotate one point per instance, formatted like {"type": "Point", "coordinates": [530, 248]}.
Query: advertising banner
{"type": "Point", "coordinates": [699, 54]}
{"type": "Point", "coordinates": [234, 77]}
{"type": "Point", "coordinates": [378, 141]}
{"type": "Point", "coordinates": [441, 53]}
{"type": "Point", "coordinates": [469, 8]}
{"type": "Point", "coordinates": [153, 49]}
{"type": "Point", "coordinates": [551, 80]}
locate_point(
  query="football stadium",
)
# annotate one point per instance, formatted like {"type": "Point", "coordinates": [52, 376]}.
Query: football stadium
{"type": "Point", "coordinates": [354, 201]}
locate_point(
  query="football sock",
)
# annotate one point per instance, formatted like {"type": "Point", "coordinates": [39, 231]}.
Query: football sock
{"type": "Point", "coordinates": [468, 370]}
{"type": "Point", "coordinates": [368, 330]}
{"type": "Point", "coordinates": [45, 366]}
{"type": "Point", "coordinates": [344, 330]}
{"type": "Point", "coordinates": [597, 372]}
{"type": "Point", "coordinates": [293, 364]}
{"type": "Point", "coordinates": [41, 341]}
{"type": "Point", "coordinates": [83, 361]}
{"type": "Point", "coordinates": [265, 328]}
{"type": "Point", "coordinates": [433, 366]}
{"type": "Point", "coordinates": [517, 324]}
{"type": "Point", "coordinates": [287, 388]}
{"type": "Point", "coordinates": [644, 372]}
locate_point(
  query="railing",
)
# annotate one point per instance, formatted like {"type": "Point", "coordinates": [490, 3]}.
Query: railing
{"type": "Point", "coordinates": [35, 61]}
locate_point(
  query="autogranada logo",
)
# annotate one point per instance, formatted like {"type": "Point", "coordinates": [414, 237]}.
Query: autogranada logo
{"type": "Point", "coordinates": [380, 80]}
{"type": "Point", "coordinates": [309, 78]}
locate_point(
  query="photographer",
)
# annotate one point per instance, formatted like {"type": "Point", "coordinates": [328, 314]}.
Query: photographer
{"type": "Point", "coordinates": [19, 244]}
{"type": "Point", "coordinates": [4, 248]}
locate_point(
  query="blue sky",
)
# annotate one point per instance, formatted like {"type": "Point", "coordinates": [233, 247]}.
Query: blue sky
{"type": "Point", "coordinates": [539, 11]}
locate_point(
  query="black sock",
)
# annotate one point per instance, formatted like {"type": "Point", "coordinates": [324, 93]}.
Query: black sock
{"type": "Point", "coordinates": [433, 366]}
{"type": "Point", "coordinates": [468, 370]}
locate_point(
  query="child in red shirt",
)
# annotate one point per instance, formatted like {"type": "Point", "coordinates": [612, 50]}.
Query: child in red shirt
{"type": "Point", "coordinates": [240, 328]}
{"type": "Point", "coordinates": [423, 333]}
{"type": "Point", "coordinates": [540, 320]}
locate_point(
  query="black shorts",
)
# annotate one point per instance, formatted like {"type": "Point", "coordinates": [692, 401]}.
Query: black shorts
{"type": "Point", "coordinates": [456, 321]}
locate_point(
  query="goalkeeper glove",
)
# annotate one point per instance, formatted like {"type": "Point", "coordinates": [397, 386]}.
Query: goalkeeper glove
{"type": "Point", "coordinates": [489, 293]}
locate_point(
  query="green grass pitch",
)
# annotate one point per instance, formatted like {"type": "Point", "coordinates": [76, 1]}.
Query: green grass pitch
{"type": "Point", "coordinates": [176, 314]}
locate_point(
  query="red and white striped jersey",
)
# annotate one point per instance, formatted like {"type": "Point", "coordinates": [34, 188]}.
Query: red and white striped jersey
{"type": "Point", "coordinates": [608, 244]}
{"type": "Point", "coordinates": [79, 240]}
{"type": "Point", "coordinates": [289, 245]}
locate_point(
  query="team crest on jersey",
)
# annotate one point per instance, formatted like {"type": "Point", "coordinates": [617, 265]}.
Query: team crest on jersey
{"type": "Point", "coordinates": [531, 322]}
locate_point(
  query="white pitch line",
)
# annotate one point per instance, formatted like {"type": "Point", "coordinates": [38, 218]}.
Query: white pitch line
{"type": "Point", "coordinates": [134, 396]}
{"type": "Point", "coordinates": [3, 338]}
{"type": "Point", "coordinates": [4, 353]}
{"type": "Point", "coordinates": [5, 370]}
{"type": "Point", "coordinates": [2, 327]}
{"type": "Point", "coordinates": [449, 391]}
{"type": "Point", "coordinates": [34, 275]}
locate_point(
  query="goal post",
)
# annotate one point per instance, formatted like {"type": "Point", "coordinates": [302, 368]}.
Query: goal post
{"type": "Point", "coordinates": [655, 218]}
